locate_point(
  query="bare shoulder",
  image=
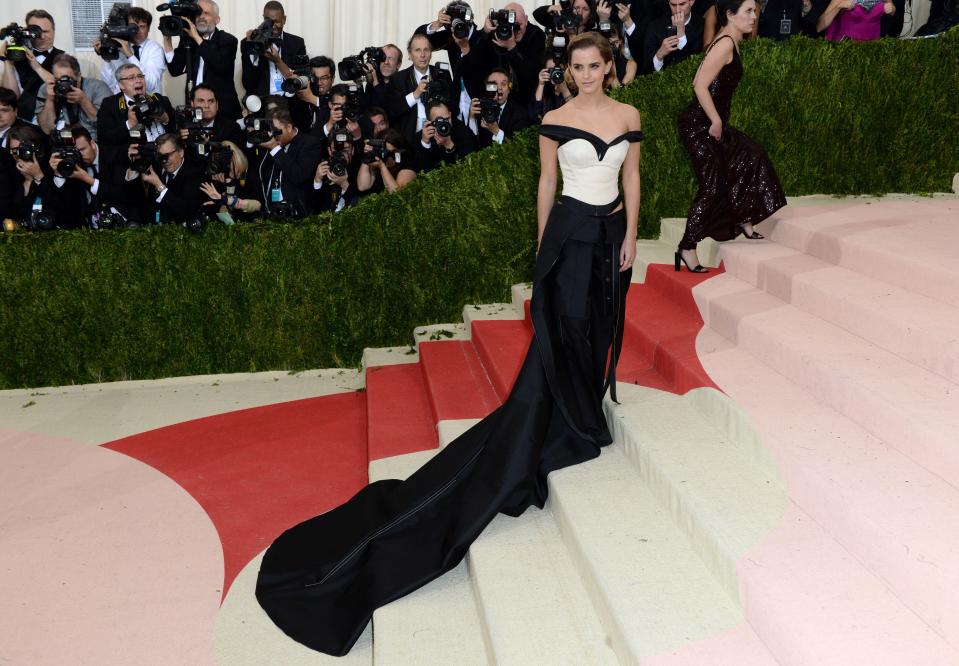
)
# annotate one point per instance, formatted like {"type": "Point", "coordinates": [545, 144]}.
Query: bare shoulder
{"type": "Point", "coordinates": [722, 48]}
{"type": "Point", "coordinates": [553, 117]}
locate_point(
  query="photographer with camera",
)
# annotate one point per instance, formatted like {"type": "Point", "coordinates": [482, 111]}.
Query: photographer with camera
{"type": "Point", "coordinates": [498, 115]}
{"type": "Point", "coordinates": [201, 121]}
{"type": "Point", "coordinates": [70, 99]}
{"type": "Point", "coordinates": [139, 50]}
{"type": "Point", "coordinates": [552, 90]}
{"type": "Point", "coordinates": [175, 182]}
{"type": "Point", "coordinates": [334, 183]}
{"type": "Point", "coordinates": [310, 106]}
{"type": "Point", "coordinates": [31, 194]}
{"type": "Point", "coordinates": [378, 76]}
{"type": "Point", "coordinates": [204, 53]}
{"type": "Point", "coordinates": [455, 32]}
{"type": "Point", "coordinates": [410, 88]}
{"type": "Point", "coordinates": [443, 140]}
{"type": "Point", "coordinates": [9, 176]}
{"type": "Point", "coordinates": [512, 44]}
{"type": "Point", "coordinates": [28, 57]}
{"type": "Point", "coordinates": [378, 120]}
{"type": "Point", "coordinates": [286, 170]}
{"type": "Point", "coordinates": [569, 17]}
{"type": "Point", "coordinates": [384, 165]}
{"type": "Point", "coordinates": [133, 110]}
{"type": "Point", "coordinates": [670, 40]}
{"type": "Point", "coordinates": [230, 196]}
{"type": "Point", "coordinates": [345, 112]}
{"type": "Point", "coordinates": [266, 52]}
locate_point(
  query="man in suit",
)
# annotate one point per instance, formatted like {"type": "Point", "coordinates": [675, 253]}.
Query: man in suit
{"type": "Point", "coordinates": [210, 53]}
{"type": "Point", "coordinates": [141, 51]}
{"type": "Point", "coordinates": [118, 115]}
{"type": "Point", "coordinates": [78, 196]}
{"type": "Point", "coordinates": [405, 99]}
{"type": "Point", "coordinates": [288, 167]}
{"type": "Point", "coordinates": [520, 55]}
{"type": "Point", "coordinates": [203, 97]}
{"type": "Point", "coordinates": [26, 76]}
{"type": "Point", "coordinates": [512, 116]}
{"type": "Point", "coordinates": [434, 149]}
{"type": "Point", "coordinates": [262, 72]}
{"type": "Point", "coordinates": [378, 78]}
{"type": "Point", "coordinates": [10, 178]}
{"type": "Point", "coordinates": [441, 38]}
{"type": "Point", "coordinates": [662, 49]}
{"type": "Point", "coordinates": [176, 196]}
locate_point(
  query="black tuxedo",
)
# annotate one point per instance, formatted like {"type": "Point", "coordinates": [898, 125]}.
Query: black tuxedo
{"type": "Point", "coordinates": [256, 78]}
{"type": "Point", "coordinates": [463, 67]}
{"type": "Point", "coordinates": [184, 198]}
{"type": "Point", "coordinates": [402, 115]}
{"type": "Point", "coordinates": [219, 57]}
{"type": "Point", "coordinates": [656, 33]}
{"type": "Point", "coordinates": [10, 180]}
{"type": "Point", "coordinates": [427, 159]}
{"type": "Point", "coordinates": [524, 62]}
{"type": "Point", "coordinates": [113, 135]}
{"type": "Point", "coordinates": [30, 83]}
{"type": "Point", "coordinates": [512, 119]}
{"type": "Point", "coordinates": [292, 171]}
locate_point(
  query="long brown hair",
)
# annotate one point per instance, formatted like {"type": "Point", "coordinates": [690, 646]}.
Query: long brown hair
{"type": "Point", "coordinates": [589, 40]}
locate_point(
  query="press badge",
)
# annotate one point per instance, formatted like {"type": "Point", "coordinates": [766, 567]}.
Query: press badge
{"type": "Point", "coordinates": [37, 205]}
{"type": "Point", "coordinates": [276, 195]}
{"type": "Point", "coordinates": [785, 26]}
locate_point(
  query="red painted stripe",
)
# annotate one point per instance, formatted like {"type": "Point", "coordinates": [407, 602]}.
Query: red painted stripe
{"type": "Point", "coordinates": [456, 382]}
{"type": "Point", "coordinates": [257, 472]}
{"type": "Point", "coordinates": [398, 411]}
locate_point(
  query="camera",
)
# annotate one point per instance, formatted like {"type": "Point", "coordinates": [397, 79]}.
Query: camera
{"type": "Point", "coordinates": [504, 22]}
{"type": "Point", "coordinates": [188, 117]}
{"type": "Point", "coordinates": [218, 158]}
{"type": "Point", "coordinates": [147, 108]}
{"type": "Point", "coordinates": [462, 19]}
{"type": "Point", "coordinates": [567, 20]}
{"type": "Point", "coordinates": [557, 74]}
{"type": "Point", "coordinates": [352, 109]}
{"type": "Point", "coordinates": [21, 39]}
{"type": "Point", "coordinates": [489, 107]}
{"type": "Point", "coordinates": [283, 210]}
{"type": "Point", "coordinates": [259, 129]}
{"type": "Point", "coordinates": [173, 25]}
{"type": "Point", "coordinates": [302, 75]}
{"type": "Point", "coordinates": [353, 68]}
{"type": "Point", "coordinates": [117, 26]}
{"type": "Point", "coordinates": [443, 126]}
{"type": "Point", "coordinates": [558, 49]}
{"type": "Point", "coordinates": [378, 151]}
{"type": "Point", "coordinates": [111, 219]}
{"type": "Point", "coordinates": [145, 158]}
{"type": "Point", "coordinates": [261, 37]}
{"type": "Point", "coordinates": [437, 89]}
{"type": "Point", "coordinates": [25, 152]}
{"type": "Point", "coordinates": [39, 220]}
{"type": "Point", "coordinates": [62, 88]}
{"type": "Point", "coordinates": [340, 153]}
{"type": "Point", "coordinates": [65, 148]}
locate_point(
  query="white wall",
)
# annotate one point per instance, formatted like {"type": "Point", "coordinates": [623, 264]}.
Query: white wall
{"type": "Point", "coordinates": [330, 27]}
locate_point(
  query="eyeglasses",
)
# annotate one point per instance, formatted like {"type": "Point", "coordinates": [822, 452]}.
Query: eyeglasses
{"type": "Point", "coordinates": [133, 77]}
{"type": "Point", "coordinates": [165, 157]}
{"type": "Point", "coordinates": [325, 77]}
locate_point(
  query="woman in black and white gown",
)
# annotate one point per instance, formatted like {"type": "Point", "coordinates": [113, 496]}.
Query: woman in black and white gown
{"type": "Point", "coordinates": [321, 580]}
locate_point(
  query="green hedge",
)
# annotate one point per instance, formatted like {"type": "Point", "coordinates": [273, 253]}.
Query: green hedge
{"type": "Point", "coordinates": [86, 306]}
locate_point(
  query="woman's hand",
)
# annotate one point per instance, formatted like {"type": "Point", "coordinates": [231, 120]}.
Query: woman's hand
{"type": "Point", "coordinates": [627, 254]}
{"type": "Point", "coordinates": [211, 192]}
{"type": "Point", "coordinates": [604, 9]}
{"type": "Point", "coordinates": [716, 131]}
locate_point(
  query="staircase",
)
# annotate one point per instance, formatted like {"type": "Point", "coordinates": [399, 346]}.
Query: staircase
{"type": "Point", "coordinates": [783, 484]}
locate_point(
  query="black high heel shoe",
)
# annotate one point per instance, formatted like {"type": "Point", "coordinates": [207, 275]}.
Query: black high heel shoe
{"type": "Point", "coordinates": [679, 259]}
{"type": "Point", "coordinates": [755, 235]}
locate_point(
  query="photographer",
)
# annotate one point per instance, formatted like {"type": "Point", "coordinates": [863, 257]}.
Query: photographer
{"type": "Point", "coordinates": [9, 176]}
{"type": "Point", "coordinates": [26, 76]}
{"type": "Point", "coordinates": [345, 111]}
{"type": "Point", "coordinates": [502, 117]}
{"type": "Point", "coordinates": [212, 125]}
{"type": "Point", "coordinates": [31, 193]}
{"type": "Point", "coordinates": [311, 105]}
{"type": "Point", "coordinates": [378, 78]}
{"type": "Point", "coordinates": [287, 169]}
{"type": "Point", "coordinates": [378, 120]}
{"type": "Point", "coordinates": [673, 39]}
{"type": "Point", "coordinates": [209, 53]}
{"type": "Point", "coordinates": [569, 17]}
{"type": "Point", "coordinates": [70, 99]}
{"type": "Point", "coordinates": [228, 193]}
{"type": "Point", "coordinates": [444, 138]}
{"type": "Point", "coordinates": [552, 90]}
{"type": "Point", "coordinates": [86, 189]}
{"type": "Point", "coordinates": [405, 102]}
{"type": "Point", "coordinates": [334, 183]}
{"type": "Point", "coordinates": [383, 168]}
{"type": "Point", "coordinates": [132, 109]}
{"type": "Point", "coordinates": [624, 65]}
{"type": "Point", "coordinates": [455, 32]}
{"type": "Point", "coordinates": [265, 65]}
{"type": "Point", "coordinates": [141, 51]}
{"type": "Point", "coordinates": [177, 196]}
{"type": "Point", "coordinates": [517, 48]}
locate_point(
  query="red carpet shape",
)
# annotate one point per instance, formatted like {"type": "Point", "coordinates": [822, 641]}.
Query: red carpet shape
{"type": "Point", "coordinates": [257, 472]}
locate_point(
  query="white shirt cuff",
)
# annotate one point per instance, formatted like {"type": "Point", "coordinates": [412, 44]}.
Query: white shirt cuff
{"type": "Point", "coordinates": [425, 144]}
{"type": "Point", "coordinates": [410, 100]}
{"type": "Point", "coordinates": [681, 44]}
{"type": "Point", "coordinates": [168, 55]}
{"type": "Point", "coordinates": [275, 149]}
{"type": "Point", "coordinates": [657, 63]}
{"type": "Point", "coordinates": [162, 194]}
{"type": "Point", "coordinates": [317, 184]}
{"type": "Point", "coordinates": [95, 188]}
{"type": "Point", "coordinates": [630, 29]}
{"type": "Point", "coordinates": [499, 137]}
{"type": "Point", "coordinates": [429, 29]}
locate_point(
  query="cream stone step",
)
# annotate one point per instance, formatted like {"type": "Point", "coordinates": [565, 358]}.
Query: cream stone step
{"type": "Point", "coordinates": [650, 252]}
{"type": "Point", "coordinates": [921, 330]}
{"type": "Point", "coordinates": [379, 356]}
{"type": "Point", "coordinates": [653, 593]}
{"type": "Point", "coordinates": [703, 459]}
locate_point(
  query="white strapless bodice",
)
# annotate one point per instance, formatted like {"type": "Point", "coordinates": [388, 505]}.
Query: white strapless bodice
{"type": "Point", "coordinates": [586, 177]}
{"type": "Point", "coordinates": [590, 166]}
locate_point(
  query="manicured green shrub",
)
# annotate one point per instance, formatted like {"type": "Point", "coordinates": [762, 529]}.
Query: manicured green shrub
{"type": "Point", "coordinates": [86, 306]}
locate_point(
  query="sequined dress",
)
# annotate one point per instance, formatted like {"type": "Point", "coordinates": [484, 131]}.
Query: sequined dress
{"type": "Point", "coordinates": [737, 182]}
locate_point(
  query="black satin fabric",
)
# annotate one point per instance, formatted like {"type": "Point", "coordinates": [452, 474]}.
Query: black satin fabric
{"type": "Point", "coordinates": [737, 181]}
{"type": "Point", "coordinates": [321, 580]}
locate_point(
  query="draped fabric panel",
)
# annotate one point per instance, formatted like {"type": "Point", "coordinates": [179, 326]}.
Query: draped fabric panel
{"type": "Point", "coordinates": [336, 28]}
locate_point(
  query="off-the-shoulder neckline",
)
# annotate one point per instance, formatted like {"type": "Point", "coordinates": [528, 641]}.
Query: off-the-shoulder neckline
{"type": "Point", "coordinates": [599, 139]}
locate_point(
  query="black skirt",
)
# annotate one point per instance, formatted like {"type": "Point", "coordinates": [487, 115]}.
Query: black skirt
{"type": "Point", "coordinates": [321, 580]}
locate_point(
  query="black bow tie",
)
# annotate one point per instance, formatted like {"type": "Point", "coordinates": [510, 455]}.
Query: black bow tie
{"type": "Point", "coordinates": [40, 53]}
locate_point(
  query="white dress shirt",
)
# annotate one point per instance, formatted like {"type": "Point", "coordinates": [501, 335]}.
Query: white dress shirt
{"type": "Point", "coordinates": [681, 44]}
{"type": "Point", "coordinates": [151, 62]}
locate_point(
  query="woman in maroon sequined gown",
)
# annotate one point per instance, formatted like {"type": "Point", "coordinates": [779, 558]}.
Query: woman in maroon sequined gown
{"type": "Point", "coordinates": [738, 186]}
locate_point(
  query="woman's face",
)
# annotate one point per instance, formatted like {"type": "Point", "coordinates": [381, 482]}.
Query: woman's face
{"type": "Point", "coordinates": [581, 8]}
{"type": "Point", "coordinates": [588, 69]}
{"type": "Point", "coordinates": [745, 19]}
